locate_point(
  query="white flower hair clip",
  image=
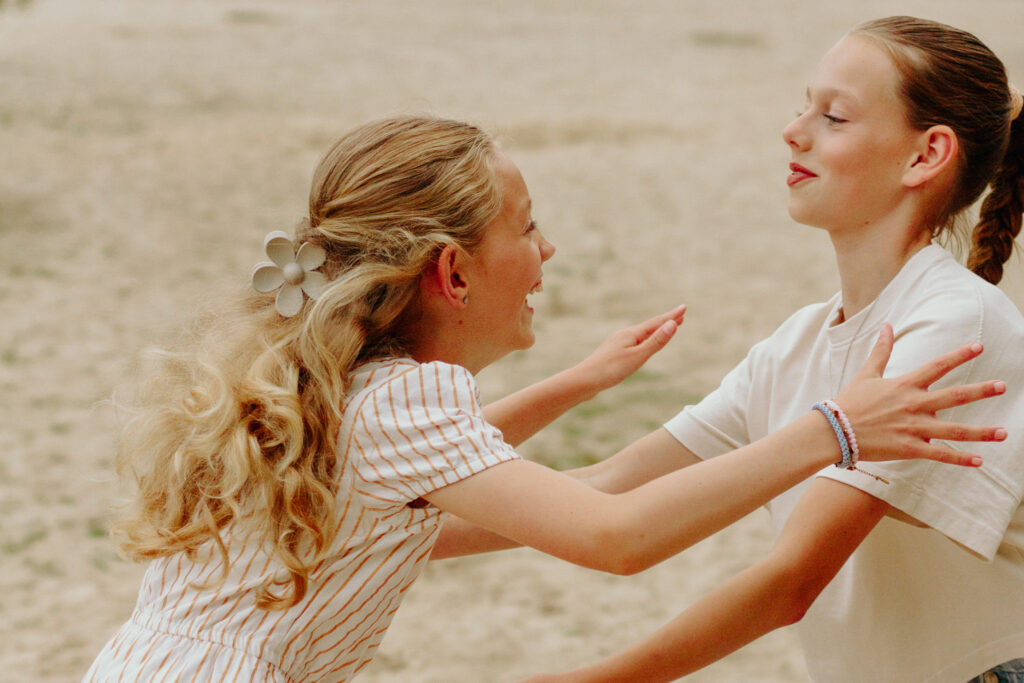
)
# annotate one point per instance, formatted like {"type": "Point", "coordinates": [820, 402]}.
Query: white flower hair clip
{"type": "Point", "coordinates": [292, 272]}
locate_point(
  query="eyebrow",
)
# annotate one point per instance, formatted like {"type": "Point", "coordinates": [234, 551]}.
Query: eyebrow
{"type": "Point", "coordinates": [833, 93]}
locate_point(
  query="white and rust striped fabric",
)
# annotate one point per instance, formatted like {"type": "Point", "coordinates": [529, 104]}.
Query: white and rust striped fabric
{"type": "Point", "coordinates": [408, 429]}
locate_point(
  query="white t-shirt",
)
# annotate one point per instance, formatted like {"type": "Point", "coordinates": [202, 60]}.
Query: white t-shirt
{"type": "Point", "coordinates": [408, 429]}
{"type": "Point", "coordinates": [911, 604]}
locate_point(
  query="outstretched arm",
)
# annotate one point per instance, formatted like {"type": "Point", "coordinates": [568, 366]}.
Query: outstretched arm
{"type": "Point", "coordinates": [827, 525]}
{"type": "Point", "coordinates": [522, 414]}
{"type": "Point", "coordinates": [628, 532]}
{"type": "Point", "coordinates": [532, 505]}
{"type": "Point", "coordinates": [645, 459]}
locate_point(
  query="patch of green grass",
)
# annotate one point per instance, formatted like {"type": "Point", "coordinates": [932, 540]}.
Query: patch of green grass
{"type": "Point", "coordinates": [57, 458]}
{"type": "Point", "coordinates": [60, 428]}
{"type": "Point", "coordinates": [250, 17]}
{"type": "Point", "coordinates": [17, 4]}
{"type": "Point", "coordinates": [591, 409]}
{"type": "Point", "coordinates": [25, 542]}
{"type": "Point", "coordinates": [44, 568]}
{"type": "Point", "coordinates": [23, 270]}
{"type": "Point", "coordinates": [727, 39]}
{"type": "Point", "coordinates": [95, 527]}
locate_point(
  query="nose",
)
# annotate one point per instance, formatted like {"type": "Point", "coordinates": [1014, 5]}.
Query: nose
{"type": "Point", "coordinates": [794, 135]}
{"type": "Point", "coordinates": [547, 250]}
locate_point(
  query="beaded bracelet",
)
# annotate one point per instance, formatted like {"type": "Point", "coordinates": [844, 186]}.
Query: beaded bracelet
{"type": "Point", "coordinates": [851, 438]}
{"type": "Point", "coordinates": [834, 420]}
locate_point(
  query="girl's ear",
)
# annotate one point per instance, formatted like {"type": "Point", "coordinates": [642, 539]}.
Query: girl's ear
{"type": "Point", "coordinates": [937, 152]}
{"type": "Point", "coordinates": [446, 279]}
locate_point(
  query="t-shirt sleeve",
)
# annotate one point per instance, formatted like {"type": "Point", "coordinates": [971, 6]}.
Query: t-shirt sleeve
{"type": "Point", "coordinates": [719, 423]}
{"type": "Point", "coordinates": [970, 506]}
{"type": "Point", "coordinates": [423, 430]}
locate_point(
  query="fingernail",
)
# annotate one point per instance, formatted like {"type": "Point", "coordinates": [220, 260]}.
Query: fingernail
{"type": "Point", "coordinates": [976, 347]}
{"type": "Point", "coordinates": [977, 461]}
{"type": "Point", "coordinates": [999, 386]}
{"type": "Point", "coordinates": [1000, 434]}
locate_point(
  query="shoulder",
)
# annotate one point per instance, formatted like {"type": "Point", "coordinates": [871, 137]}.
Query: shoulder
{"type": "Point", "coordinates": [402, 384]}
{"type": "Point", "coordinates": [955, 303]}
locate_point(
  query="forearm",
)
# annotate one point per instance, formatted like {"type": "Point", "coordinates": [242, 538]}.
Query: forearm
{"type": "Point", "coordinates": [675, 511]}
{"type": "Point", "coordinates": [628, 532]}
{"type": "Point", "coordinates": [650, 457]}
{"type": "Point", "coordinates": [750, 605]}
{"type": "Point", "coordinates": [524, 413]}
{"type": "Point", "coordinates": [826, 526]}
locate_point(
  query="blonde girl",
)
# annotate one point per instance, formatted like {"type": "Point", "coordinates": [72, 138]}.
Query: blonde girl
{"type": "Point", "coordinates": [907, 121]}
{"type": "Point", "coordinates": [296, 457]}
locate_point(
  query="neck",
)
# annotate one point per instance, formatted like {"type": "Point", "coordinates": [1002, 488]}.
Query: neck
{"type": "Point", "coordinates": [436, 338]}
{"type": "Point", "coordinates": [869, 259]}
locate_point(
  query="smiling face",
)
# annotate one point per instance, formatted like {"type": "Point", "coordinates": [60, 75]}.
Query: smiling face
{"type": "Point", "coordinates": [852, 144]}
{"type": "Point", "coordinates": [505, 269]}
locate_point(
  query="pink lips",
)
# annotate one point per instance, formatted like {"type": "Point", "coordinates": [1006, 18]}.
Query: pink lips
{"type": "Point", "coordinates": [798, 174]}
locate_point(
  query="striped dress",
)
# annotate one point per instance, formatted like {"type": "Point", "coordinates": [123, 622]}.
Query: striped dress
{"type": "Point", "coordinates": [408, 429]}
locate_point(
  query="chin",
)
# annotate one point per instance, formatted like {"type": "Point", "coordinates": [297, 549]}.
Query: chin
{"type": "Point", "coordinates": [803, 217]}
{"type": "Point", "coordinates": [527, 341]}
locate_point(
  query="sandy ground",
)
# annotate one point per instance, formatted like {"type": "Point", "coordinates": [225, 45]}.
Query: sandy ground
{"type": "Point", "coordinates": [146, 148]}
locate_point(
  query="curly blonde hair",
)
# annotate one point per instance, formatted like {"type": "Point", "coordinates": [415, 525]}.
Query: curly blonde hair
{"type": "Point", "coordinates": [237, 424]}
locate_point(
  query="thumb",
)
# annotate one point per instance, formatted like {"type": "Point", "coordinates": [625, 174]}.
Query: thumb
{"type": "Point", "coordinates": [874, 366]}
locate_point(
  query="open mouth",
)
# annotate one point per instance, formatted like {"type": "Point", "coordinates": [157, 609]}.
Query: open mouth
{"type": "Point", "coordinates": [536, 289]}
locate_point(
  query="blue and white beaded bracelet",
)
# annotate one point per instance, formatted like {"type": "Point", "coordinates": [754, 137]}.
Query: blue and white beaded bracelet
{"type": "Point", "coordinates": [851, 438]}
{"type": "Point", "coordinates": [843, 430]}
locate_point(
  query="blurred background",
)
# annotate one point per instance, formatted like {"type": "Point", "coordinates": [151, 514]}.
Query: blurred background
{"type": "Point", "coordinates": [146, 148]}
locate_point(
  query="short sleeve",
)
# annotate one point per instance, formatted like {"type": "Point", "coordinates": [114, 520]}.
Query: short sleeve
{"type": "Point", "coordinates": [971, 506]}
{"type": "Point", "coordinates": [422, 430]}
{"type": "Point", "coordinates": [719, 423]}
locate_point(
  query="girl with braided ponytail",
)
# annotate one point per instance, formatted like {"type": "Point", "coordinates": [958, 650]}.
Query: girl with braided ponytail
{"type": "Point", "coordinates": [916, 573]}
{"type": "Point", "coordinates": [296, 458]}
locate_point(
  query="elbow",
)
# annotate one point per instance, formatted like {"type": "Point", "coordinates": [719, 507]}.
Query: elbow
{"type": "Point", "coordinates": [621, 551]}
{"type": "Point", "coordinates": [794, 614]}
{"type": "Point", "coordinates": [626, 565]}
{"type": "Point", "coordinates": [795, 590]}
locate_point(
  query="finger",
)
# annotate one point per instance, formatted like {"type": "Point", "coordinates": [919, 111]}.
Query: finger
{"type": "Point", "coordinates": [933, 370]}
{"type": "Point", "coordinates": [950, 397]}
{"type": "Point", "coordinates": [643, 330]}
{"type": "Point", "coordinates": [952, 456]}
{"type": "Point", "coordinates": [874, 366]}
{"type": "Point", "coordinates": [956, 431]}
{"type": "Point", "coordinates": [661, 336]}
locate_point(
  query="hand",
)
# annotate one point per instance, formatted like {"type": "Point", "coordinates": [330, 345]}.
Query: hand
{"type": "Point", "coordinates": [894, 419]}
{"type": "Point", "coordinates": [625, 351]}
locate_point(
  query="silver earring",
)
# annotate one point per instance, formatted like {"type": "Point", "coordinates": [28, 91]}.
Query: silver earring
{"type": "Point", "coordinates": [465, 299]}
